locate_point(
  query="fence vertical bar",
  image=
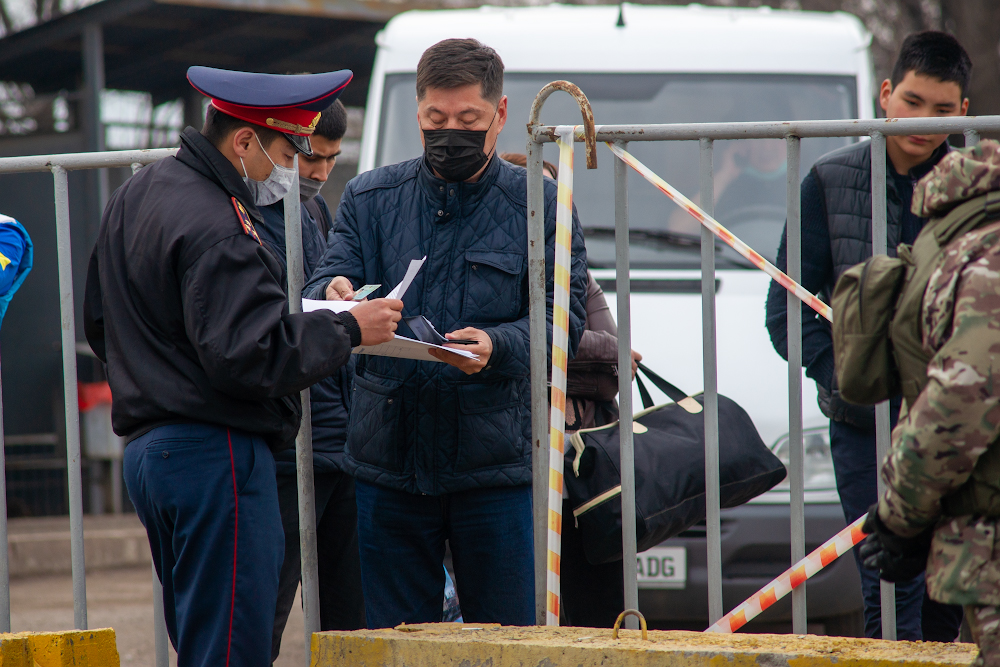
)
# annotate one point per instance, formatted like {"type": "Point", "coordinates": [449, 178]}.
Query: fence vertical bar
{"type": "Point", "coordinates": [882, 430]}
{"type": "Point", "coordinates": [971, 138]}
{"type": "Point", "coordinates": [303, 441]}
{"type": "Point", "coordinates": [4, 563]}
{"type": "Point", "coordinates": [68, 325]}
{"type": "Point", "coordinates": [796, 473]}
{"type": "Point", "coordinates": [161, 654]}
{"type": "Point", "coordinates": [713, 503]}
{"type": "Point", "coordinates": [539, 359]}
{"type": "Point", "coordinates": [623, 293]}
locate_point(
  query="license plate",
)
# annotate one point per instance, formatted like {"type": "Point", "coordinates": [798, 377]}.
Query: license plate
{"type": "Point", "coordinates": [662, 567]}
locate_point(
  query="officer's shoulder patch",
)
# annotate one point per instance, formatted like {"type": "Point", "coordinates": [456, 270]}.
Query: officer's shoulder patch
{"type": "Point", "coordinates": [245, 220]}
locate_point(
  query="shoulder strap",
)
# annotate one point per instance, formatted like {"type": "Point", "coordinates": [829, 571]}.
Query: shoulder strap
{"type": "Point", "coordinates": [967, 216]}
{"type": "Point", "coordinates": [906, 330]}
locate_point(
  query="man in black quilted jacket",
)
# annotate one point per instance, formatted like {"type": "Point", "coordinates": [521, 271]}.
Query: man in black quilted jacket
{"type": "Point", "coordinates": [442, 451]}
{"type": "Point", "coordinates": [930, 78]}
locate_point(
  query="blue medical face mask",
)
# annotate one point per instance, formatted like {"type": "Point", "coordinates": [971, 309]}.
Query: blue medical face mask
{"type": "Point", "coordinates": [277, 184]}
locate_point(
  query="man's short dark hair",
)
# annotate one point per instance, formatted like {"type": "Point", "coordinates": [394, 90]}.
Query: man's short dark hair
{"type": "Point", "coordinates": [935, 54]}
{"type": "Point", "coordinates": [219, 126]}
{"type": "Point", "coordinates": [453, 63]}
{"type": "Point", "coordinates": [332, 123]}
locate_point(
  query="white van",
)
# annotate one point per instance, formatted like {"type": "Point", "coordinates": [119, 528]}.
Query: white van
{"type": "Point", "coordinates": [675, 65]}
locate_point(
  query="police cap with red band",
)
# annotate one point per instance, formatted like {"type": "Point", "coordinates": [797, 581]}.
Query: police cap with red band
{"type": "Point", "coordinates": [288, 103]}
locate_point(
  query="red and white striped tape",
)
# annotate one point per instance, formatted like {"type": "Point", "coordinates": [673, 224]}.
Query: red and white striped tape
{"type": "Point", "coordinates": [560, 352]}
{"type": "Point", "coordinates": [792, 578]}
{"type": "Point", "coordinates": [713, 225]}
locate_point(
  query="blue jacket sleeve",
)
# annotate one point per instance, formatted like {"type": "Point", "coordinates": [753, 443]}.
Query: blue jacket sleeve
{"type": "Point", "coordinates": [817, 273]}
{"type": "Point", "coordinates": [511, 348]}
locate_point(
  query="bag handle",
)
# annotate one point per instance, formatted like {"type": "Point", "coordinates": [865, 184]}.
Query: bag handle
{"type": "Point", "coordinates": [647, 400]}
{"type": "Point", "coordinates": [672, 392]}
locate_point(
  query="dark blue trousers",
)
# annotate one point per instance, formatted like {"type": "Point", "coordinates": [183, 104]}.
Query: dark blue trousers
{"type": "Point", "coordinates": [208, 499]}
{"type": "Point", "coordinates": [917, 616]}
{"type": "Point", "coordinates": [402, 538]}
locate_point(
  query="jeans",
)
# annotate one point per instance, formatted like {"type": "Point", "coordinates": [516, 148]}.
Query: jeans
{"type": "Point", "coordinates": [402, 538]}
{"type": "Point", "coordinates": [917, 616]}
{"type": "Point", "coordinates": [341, 604]}
{"type": "Point", "coordinates": [208, 500]}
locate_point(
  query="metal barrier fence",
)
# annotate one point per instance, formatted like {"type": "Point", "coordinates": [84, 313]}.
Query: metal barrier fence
{"type": "Point", "coordinates": [59, 166]}
{"type": "Point", "coordinates": [704, 133]}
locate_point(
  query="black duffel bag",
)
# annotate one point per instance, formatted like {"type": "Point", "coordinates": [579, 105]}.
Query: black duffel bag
{"type": "Point", "coordinates": [669, 470]}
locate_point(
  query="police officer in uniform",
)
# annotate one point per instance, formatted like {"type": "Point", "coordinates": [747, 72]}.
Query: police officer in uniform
{"type": "Point", "coordinates": [205, 363]}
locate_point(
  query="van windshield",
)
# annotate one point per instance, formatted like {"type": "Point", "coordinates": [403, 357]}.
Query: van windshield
{"type": "Point", "coordinates": [750, 175]}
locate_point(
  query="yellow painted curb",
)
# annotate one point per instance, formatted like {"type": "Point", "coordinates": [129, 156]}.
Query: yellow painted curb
{"type": "Point", "coordinates": [71, 648]}
{"type": "Point", "coordinates": [469, 645]}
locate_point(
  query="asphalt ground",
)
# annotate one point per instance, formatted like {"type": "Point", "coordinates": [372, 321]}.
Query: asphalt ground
{"type": "Point", "coordinates": [121, 599]}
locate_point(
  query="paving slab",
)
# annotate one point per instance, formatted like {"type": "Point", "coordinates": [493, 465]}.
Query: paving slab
{"type": "Point", "coordinates": [471, 645]}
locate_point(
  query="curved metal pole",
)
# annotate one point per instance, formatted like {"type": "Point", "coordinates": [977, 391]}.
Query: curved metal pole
{"type": "Point", "coordinates": [589, 131]}
{"type": "Point", "coordinates": [537, 325]}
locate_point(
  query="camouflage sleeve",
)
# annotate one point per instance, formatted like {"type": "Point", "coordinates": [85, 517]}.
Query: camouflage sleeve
{"type": "Point", "coordinates": [956, 417]}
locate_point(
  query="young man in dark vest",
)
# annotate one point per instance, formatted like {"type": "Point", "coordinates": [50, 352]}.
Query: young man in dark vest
{"type": "Point", "coordinates": [930, 78]}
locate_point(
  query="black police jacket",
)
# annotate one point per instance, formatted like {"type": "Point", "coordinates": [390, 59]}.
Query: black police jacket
{"type": "Point", "coordinates": [187, 308]}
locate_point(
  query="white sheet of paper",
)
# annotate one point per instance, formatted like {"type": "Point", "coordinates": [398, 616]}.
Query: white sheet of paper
{"type": "Point", "coordinates": [402, 347]}
{"type": "Point", "coordinates": [309, 305]}
{"type": "Point", "coordinates": [411, 272]}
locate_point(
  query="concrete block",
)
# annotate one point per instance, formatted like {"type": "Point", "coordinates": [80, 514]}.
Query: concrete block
{"type": "Point", "coordinates": [76, 648]}
{"type": "Point", "coordinates": [470, 645]}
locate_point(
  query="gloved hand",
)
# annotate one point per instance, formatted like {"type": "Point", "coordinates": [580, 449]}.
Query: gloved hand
{"type": "Point", "coordinates": [836, 408]}
{"type": "Point", "coordinates": [896, 558]}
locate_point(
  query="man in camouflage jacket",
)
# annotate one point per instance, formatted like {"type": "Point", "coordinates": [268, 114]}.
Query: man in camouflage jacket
{"type": "Point", "coordinates": [940, 447]}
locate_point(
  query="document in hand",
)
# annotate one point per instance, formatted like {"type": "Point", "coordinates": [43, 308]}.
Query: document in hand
{"type": "Point", "coordinates": [400, 347]}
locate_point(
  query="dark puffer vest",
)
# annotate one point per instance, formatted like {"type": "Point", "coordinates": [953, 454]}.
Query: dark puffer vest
{"type": "Point", "coordinates": [836, 235]}
{"type": "Point", "coordinates": [845, 177]}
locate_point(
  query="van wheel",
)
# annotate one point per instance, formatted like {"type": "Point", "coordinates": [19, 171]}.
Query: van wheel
{"type": "Point", "coordinates": [845, 625]}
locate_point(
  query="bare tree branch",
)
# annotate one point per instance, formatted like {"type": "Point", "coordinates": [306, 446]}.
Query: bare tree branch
{"type": "Point", "coordinates": [976, 24]}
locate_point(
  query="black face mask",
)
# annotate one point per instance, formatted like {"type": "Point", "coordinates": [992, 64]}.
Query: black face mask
{"type": "Point", "coordinates": [456, 154]}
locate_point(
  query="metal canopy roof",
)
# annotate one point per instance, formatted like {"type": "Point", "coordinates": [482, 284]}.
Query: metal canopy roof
{"type": "Point", "coordinates": [149, 44]}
